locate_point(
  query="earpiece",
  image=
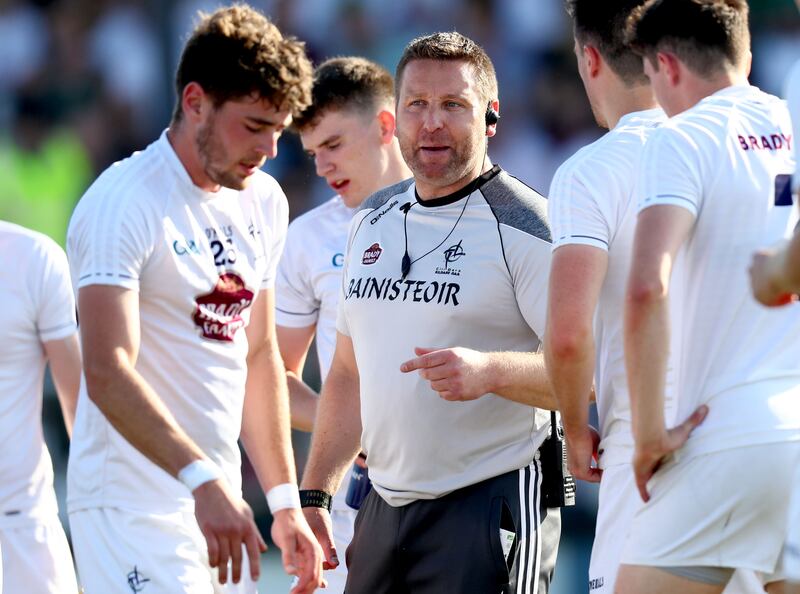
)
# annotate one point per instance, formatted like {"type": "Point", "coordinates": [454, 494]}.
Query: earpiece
{"type": "Point", "coordinates": [492, 117]}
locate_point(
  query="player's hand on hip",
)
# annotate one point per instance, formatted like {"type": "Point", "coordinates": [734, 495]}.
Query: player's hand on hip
{"type": "Point", "coordinates": [455, 373]}
{"type": "Point", "coordinates": [300, 553]}
{"type": "Point", "coordinates": [765, 274]}
{"type": "Point", "coordinates": [226, 522]}
{"type": "Point", "coordinates": [581, 451]}
{"type": "Point", "coordinates": [319, 520]}
{"type": "Point", "coordinates": [649, 457]}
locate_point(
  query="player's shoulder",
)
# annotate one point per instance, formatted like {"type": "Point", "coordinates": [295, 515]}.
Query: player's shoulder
{"type": "Point", "coordinates": [320, 214]}
{"type": "Point", "coordinates": [266, 188]}
{"type": "Point", "coordinates": [516, 204]}
{"type": "Point", "coordinates": [33, 247]}
{"type": "Point", "coordinates": [383, 196]}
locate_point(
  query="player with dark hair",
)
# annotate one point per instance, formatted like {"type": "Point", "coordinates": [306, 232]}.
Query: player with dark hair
{"type": "Point", "coordinates": [591, 209]}
{"type": "Point", "coordinates": [173, 254]}
{"type": "Point", "coordinates": [713, 187]}
{"type": "Point", "coordinates": [349, 132]}
{"type": "Point", "coordinates": [458, 255]}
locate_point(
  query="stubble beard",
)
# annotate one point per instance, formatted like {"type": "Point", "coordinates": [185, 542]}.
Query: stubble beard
{"type": "Point", "coordinates": [212, 154]}
{"type": "Point", "coordinates": [440, 175]}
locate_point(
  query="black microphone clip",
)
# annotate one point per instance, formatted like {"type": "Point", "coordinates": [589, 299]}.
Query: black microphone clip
{"type": "Point", "coordinates": [406, 207]}
{"type": "Point", "coordinates": [405, 265]}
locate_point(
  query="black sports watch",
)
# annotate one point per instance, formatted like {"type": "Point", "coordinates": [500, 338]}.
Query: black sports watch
{"type": "Point", "coordinates": [315, 498]}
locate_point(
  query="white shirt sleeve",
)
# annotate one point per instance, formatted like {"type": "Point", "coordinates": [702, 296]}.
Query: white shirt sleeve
{"type": "Point", "coordinates": [55, 311]}
{"type": "Point", "coordinates": [528, 259]}
{"type": "Point", "coordinates": [575, 212]}
{"type": "Point", "coordinates": [670, 173]}
{"type": "Point", "coordinates": [296, 304]}
{"type": "Point", "coordinates": [109, 241]}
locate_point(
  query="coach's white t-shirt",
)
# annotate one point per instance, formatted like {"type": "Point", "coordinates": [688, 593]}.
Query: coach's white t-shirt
{"type": "Point", "coordinates": [592, 203]}
{"type": "Point", "coordinates": [36, 306]}
{"type": "Point", "coordinates": [728, 160]}
{"type": "Point", "coordinates": [793, 100]}
{"type": "Point", "coordinates": [310, 274]}
{"type": "Point", "coordinates": [198, 261]}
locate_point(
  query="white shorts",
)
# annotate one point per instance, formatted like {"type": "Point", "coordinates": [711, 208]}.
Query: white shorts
{"type": "Point", "coordinates": [708, 511]}
{"type": "Point", "coordinates": [791, 557]}
{"type": "Point", "coordinates": [618, 502]}
{"type": "Point", "coordinates": [122, 551]}
{"type": "Point", "coordinates": [37, 559]}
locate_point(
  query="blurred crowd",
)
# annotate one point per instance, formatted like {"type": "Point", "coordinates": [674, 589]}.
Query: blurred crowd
{"type": "Point", "coordinates": [84, 83]}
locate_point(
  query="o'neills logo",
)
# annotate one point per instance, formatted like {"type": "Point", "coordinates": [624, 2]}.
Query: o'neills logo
{"type": "Point", "coordinates": [371, 254]}
{"type": "Point", "coordinates": [218, 313]}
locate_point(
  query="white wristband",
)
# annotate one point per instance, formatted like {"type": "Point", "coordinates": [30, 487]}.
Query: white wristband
{"type": "Point", "coordinates": [198, 473]}
{"type": "Point", "coordinates": [285, 496]}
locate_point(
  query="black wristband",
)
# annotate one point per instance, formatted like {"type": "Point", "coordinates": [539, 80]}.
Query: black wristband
{"type": "Point", "coordinates": [315, 498]}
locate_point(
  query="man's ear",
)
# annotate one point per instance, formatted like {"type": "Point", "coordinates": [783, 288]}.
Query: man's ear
{"type": "Point", "coordinates": [194, 102]}
{"type": "Point", "coordinates": [593, 60]}
{"type": "Point", "coordinates": [387, 125]}
{"type": "Point", "coordinates": [673, 67]}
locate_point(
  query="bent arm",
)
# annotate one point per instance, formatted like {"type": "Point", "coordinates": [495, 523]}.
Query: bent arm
{"type": "Point", "coordinates": [110, 343]}
{"type": "Point", "coordinates": [337, 434]}
{"type": "Point", "coordinates": [294, 344]}
{"type": "Point", "coordinates": [64, 357]}
{"type": "Point", "coordinates": [660, 232]}
{"type": "Point", "coordinates": [576, 277]}
{"type": "Point", "coordinates": [266, 431]}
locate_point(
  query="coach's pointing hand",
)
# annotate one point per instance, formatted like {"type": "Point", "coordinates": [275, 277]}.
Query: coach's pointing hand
{"type": "Point", "coordinates": [226, 522]}
{"type": "Point", "coordinates": [455, 373]}
{"type": "Point", "coordinates": [649, 457]}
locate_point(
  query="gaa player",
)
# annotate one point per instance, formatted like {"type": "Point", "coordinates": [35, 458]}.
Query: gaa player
{"type": "Point", "coordinates": [592, 213]}
{"type": "Point", "coordinates": [37, 326]}
{"type": "Point", "coordinates": [349, 131]}
{"type": "Point", "coordinates": [712, 188]}
{"type": "Point", "coordinates": [458, 255]}
{"type": "Point", "coordinates": [174, 252]}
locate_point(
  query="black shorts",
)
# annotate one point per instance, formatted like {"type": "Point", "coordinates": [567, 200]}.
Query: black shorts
{"type": "Point", "coordinates": [452, 545]}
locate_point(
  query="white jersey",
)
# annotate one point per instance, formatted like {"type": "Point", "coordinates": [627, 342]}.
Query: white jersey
{"type": "Point", "coordinates": [728, 161]}
{"type": "Point", "coordinates": [793, 100]}
{"type": "Point", "coordinates": [36, 306]}
{"type": "Point", "coordinates": [592, 203]}
{"type": "Point", "coordinates": [310, 274]}
{"type": "Point", "coordinates": [198, 261]}
{"type": "Point", "coordinates": [478, 279]}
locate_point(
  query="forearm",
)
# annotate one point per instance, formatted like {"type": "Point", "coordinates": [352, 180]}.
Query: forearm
{"type": "Point", "coordinates": [302, 401]}
{"type": "Point", "coordinates": [337, 433]}
{"type": "Point", "coordinates": [571, 374]}
{"type": "Point", "coordinates": [64, 357]}
{"type": "Point", "coordinates": [790, 269]}
{"type": "Point", "coordinates": [522, 377]}
{"type": "Point", "coordinates": [139, 415]}
{"type": "Point", "coordinates": [266, 432]}
{"type": "Point", "coordinates": [646, 353]}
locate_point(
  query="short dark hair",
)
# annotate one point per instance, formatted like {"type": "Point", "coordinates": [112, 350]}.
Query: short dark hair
{"type": "Point", "coordinates": [237, 52]}
{"type": "Point", "coordinates": [707, 35]}
{"type": "Point", "coordinates": [351, 83]}
{"type": "Point", "coordinates": [451, 46]}
{"type": "Point", "coordinates": [601, 23]}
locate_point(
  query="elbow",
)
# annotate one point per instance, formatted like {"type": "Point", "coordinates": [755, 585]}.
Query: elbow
{"type": "Point", "coordinates": [644, 292]}
{"type": "Point", "coordinates": [568, 343]}
{"type": "Point", "coordinates": [100, 376]}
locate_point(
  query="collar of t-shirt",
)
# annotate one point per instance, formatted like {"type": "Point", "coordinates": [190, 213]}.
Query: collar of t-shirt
{"type": "Point", "coordinates": [185, 183]}
{"type": "Point", "coordinates": [461, 193]}
{"type": "Point", "coordinates": [645, 114]}
{"type": "Point", "coordinates": [732, 91]}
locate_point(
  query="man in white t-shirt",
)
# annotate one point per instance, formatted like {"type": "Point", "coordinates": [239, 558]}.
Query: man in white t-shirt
{"type": "Point", "coordinates": [592, 214]}
{"type": "Point", "coordinates": [37, 327]}
{"type": "Point", "coordinates": [173, 252]}
{"type": "Point", "coordinates": [450, 266]}
{"type": "Point", "coordinates": [713, 186]}
{"type": "Point", "coordinates": [349, 132]}
{"type": "Point", "coordinates": [775, 278]}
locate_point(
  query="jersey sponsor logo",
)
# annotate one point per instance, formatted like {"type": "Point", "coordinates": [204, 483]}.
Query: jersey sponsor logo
{"type": "Point", "coordinates": [218, 313]}
{"type": "Point", "coordinates": [452, 254]}
{"type": "Point", "coordinates": [371, 254]}
{"type": "Point", "coordinates": [136, 581]}
{"type": "Point", "coordinates": [388, 289]}
{"type": "Point", "coordinates": [595, 584]}
{"type": "Point", "coordinates": [773, 142]}
{"type": "Point", "coordinates": [378, 216]}
{"type": "Point", "coordinates": [185, 246]}
{"type": "Point", "coordinates": [338, 260]}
